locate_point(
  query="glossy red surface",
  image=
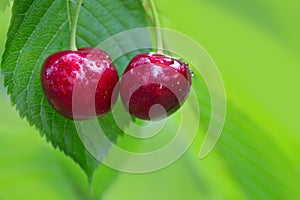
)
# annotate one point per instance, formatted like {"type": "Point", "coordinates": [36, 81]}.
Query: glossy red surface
{"type": "Point", "coordinates": [151, 79]}
{"type": "Point", "coordinates": [79, 84]}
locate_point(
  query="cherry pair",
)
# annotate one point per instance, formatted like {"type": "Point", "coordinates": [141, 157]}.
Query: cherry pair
{"type": "Point", "coordinates": [89, 73]}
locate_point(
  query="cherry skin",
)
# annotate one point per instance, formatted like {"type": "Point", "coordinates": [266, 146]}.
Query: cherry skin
{"type": "Point", "coordinates": [85, 79]}
{"type": "Point", "coordinates": [152, 79]}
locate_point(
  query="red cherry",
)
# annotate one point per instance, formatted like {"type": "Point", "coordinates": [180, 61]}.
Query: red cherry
{"type": "Point", "coordinates": [151, 79]}
{"type": "Point", "coordinates": [85, 78]}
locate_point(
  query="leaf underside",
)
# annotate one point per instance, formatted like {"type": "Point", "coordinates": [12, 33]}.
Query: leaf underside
{"type": "Point", "coordinates": [38, 29]}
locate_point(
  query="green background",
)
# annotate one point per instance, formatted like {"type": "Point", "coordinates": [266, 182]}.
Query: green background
{"type": "Point", "coordinates": [256, 46]}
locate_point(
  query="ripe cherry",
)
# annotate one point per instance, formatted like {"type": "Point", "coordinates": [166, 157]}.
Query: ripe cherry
{"type": "Point", "coordinates": [152, 79]}
{"type": "Point", "coordinates": [83, 80]}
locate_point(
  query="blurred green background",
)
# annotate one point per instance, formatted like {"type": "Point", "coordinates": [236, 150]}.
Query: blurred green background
{"type": "Point", "coordinates": [256, 46]}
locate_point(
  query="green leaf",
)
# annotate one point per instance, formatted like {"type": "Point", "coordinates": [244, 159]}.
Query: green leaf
{"type": "Point", "coordinates": [38, 29]}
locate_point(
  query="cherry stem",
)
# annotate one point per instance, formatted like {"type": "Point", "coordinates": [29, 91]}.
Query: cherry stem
{"type": "Point", "coordinates": [69, 14]}
{"type": "Point", "coordinates": [159, 42]}
{"type": "Point", "coordinates": [74, 25]}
